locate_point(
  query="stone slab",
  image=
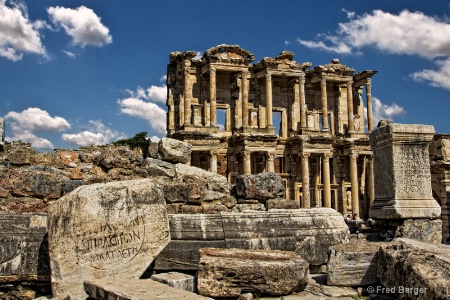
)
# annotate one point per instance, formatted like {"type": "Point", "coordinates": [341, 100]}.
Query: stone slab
{"type": "Point", "coordinates": [24, 248]}
{"type": "Point", "coordinates": [196, 227]}
{"type": "Point", "coordinates": [176, 280]}
{"type": "Point", "coordinates": [230, 272]}
{"type": "Point", "coordinates": [134, 289]}
{"type": "Point", "coordinates": [425, 230]}
{"type": "Point", "coordinates": [102, 230]}
{"type": "Point", "coordinates": [421, 267]}
{"type": "Point", "coordinates": [353, 264]}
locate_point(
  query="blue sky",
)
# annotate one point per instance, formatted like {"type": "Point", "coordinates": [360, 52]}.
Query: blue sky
{"type": "Point", "coordinates": [76, 73]}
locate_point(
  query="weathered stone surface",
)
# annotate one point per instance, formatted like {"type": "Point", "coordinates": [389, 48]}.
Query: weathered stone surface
{"type": "Point", "coordinates": [281, 204]}
{"type": "Point", "coordinates": [424, 230]}
{"type": "Point", "coordinates": [23, 248]}
{"type": "Point", "coordinates": [421, 267]}
{"type": "Point", "coordinates": [318, 288]}
{"type": "Point", "coordinates": [174, 150]}
{"type": "Point", "coordinates": [264, 230]}
{"type": "Point", "coordinates": [214, 182]}
{"type": "Point", "coordinates": [229, 272]}
{"type": "Point", "coordinates": [135, 289]}
{"type": "Point", "coordinates": [313, 229]}
{"type": "Point", "coordinates": [102, 230]}
{"type": "Point", "coordinates": [156, 167]}
{"type": "Point", "coordinates": [353, 264]}
{"type": "Point", "coordinates": [40, 182]}
{"type": "Point", "coordinates": [264, 186]}
{"type": "Point", "coordinates": [402, 172]}
{"type": "Point", "coordinates": [177, 280]}
{"type": "Point", "coordinates": [243, 207]}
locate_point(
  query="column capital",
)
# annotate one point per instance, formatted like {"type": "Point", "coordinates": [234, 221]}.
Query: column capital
{"type": "Point", "coordinates": [304, 155]}
{"type": "Point", "coordinates": [245, 73]}
{"type": "Point", "coordinates": [327, 156]}
{"type": "Point", "coordinates": [268, 77]}
{"type": "Point", "coordinates": [212, 71]}
{"type": "Point", "coordinates": [302, 78]}
{"type": "Point", "coordinates": [323, 81]}
{"type": "Point", "coordinates": [353, 156]}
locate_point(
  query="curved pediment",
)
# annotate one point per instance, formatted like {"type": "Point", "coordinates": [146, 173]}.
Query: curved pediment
{"type": "Point", "coordinates": [229, 53]}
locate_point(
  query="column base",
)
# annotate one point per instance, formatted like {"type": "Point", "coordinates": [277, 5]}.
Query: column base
{"type": "Point", "coordinates": [404, 209]}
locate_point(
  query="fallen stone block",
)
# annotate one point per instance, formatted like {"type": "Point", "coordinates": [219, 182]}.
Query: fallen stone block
{"type": "Point", "coordinates": [24, 248]}
{"type": "Point", "coordinates": [102, 230]}
{"type": "Point", "coordinates": [175, 151]}
{"type": "Point", "coordinates": [177, 280]}
{"type": "Point", "coordinates": [415, 270]}
{"type": "Point", "coordinates": [282, 229]}
{"type": "Point", "coordinates": [424, 230]}
{"type": "Point", "coordinates": [281, 204]}
{"type": "Point", "coordinates": [229, 272]}
{"type": "Point", "coordinates": [135, 289]}
{"type": "Point", "coordinates": [353, 264]}
{"type": "Point", "coordinates": [267, 185]}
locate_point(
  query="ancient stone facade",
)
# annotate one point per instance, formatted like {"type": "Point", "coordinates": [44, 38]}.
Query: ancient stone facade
{"type": "Point", "coordinates": [277, 115]}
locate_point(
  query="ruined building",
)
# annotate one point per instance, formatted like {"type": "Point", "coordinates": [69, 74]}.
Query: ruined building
{"type": "Point", "coordinates": [306, 124]}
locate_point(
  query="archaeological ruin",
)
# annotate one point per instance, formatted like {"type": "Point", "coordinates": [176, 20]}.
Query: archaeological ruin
{"type": "Point", "coordinates": [246, 198]}
{"type": "Point", "coordinates": [310, 125]}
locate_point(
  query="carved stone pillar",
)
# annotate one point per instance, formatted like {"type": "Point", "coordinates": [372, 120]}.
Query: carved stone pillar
{"type": "Point", "coordinates": [187, 94]}
{"type": "Point", "coordinates": [354, 183]}
{"type": "Point", "coordinates": [212, 96]}
{"type": "Point", "coordinates": [269, 100]}
{"type": "Point", "coordinates": [247, 162]}
{"type": "Point", "coordinates": [303, 107]}
{"type": "Point", "coordinates": [351, 123]}
{"type": "Point", "coordinates": [369, 105]}
{"type": "Point", "coordinates": [306, 200]}
{"type": "Point", "coordinates": [245, 87]}
{"type": "Point", "coordinates": [323, 85]}
{"type": "Point", "coordinates": [326, 180]}
{"type": "Point", "coordinates": [213, 162]}
{"type": "Point", "coordinates": [270, 166]}
{"type": "Point", "coordinates": [284, 124]}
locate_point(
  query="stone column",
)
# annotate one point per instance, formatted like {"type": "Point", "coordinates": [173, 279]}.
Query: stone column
{"type": "Point", "coordinates": [306, 200]}
{"type": "Point", "coordinates": [212, 96]}
{"type": "Point", "coordinates": [369, 105]}
{"type": "Point", "coordinates": [270, 166]}
{"type": "Point", "coordinates": [295, 107]}
{"type": "Point", "coordinates": [303, 107]}
{"type": "Point", "coordinates": [371, 182]}
{"type": "Point", "coordinates": [284, 124]}
{"type": "Point", "coordinates": [228, 118]}
{"type": "Point", "coordinates": [351, 123]}
{"type": "Point", "coordinates": [213, 162]}
{"type": "Point", "coordinates": [326, 180]}
{"type": "Point", "coordinates": [245, 88]}
{"type": "Point", "coordinates": [323, 85]}
{"type": "Point", "coordinates": [354, 183]}
{"type": "Point", "coordinates": [247, 162]}
{"type": "Point", "coordinates": [187, 94]}
{"type": "Point", "coordinates": [269, 122]}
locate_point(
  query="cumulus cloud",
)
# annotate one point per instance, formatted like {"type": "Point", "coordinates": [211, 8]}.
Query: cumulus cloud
{"type": "Point", "coordinates": [409, 33]}
{"type": "Point", "coordinates": [436, 78]}
{"type": "Point", "coordinates": [136, 107]}
{"type": "Point", "coordinates": [24, 125]}
{"type": "Point", "coordinates": [383, 111]}
{"type": "Point", "coordinates": [18, 34]}
{"type": "Point", "coordinates": [153, 93]}
{"type": "Point", "coordinates": [97, 133]}
{"type": "Point", "coordinates": [81, 24]}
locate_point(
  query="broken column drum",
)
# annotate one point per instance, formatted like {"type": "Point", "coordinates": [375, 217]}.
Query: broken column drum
{"type": "Point", "coordinates": [402, 172]}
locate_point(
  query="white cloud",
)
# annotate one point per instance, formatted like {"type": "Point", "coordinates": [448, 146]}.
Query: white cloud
{"type": "Point", "coordinates": [18, 35]}
{"type": "Point", "coordinates": [81, 24]}
{"type": "Point", "coordinates": [69, 54]}
{"type": "Point", "coordinates": [149, 111]}
{"type": "Point", "coordinates": [439, 78]}
{"type": "Point", "coordinates": [154, 138]}
{"type": "Point", "coordinates": [97, 134]}
{"type": "Point", "coordinates": [408, 33]}
{"type": "Point", "coordinates": [34, 119]}
{"type": "Point", "coordinates": [153, 93]}
{"type": "Point", "coordinates": [24, 125]}
{"type": "Point", "coordinates": [383, 111]}
{"type": "Point", "coordinates": [163, 78]}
